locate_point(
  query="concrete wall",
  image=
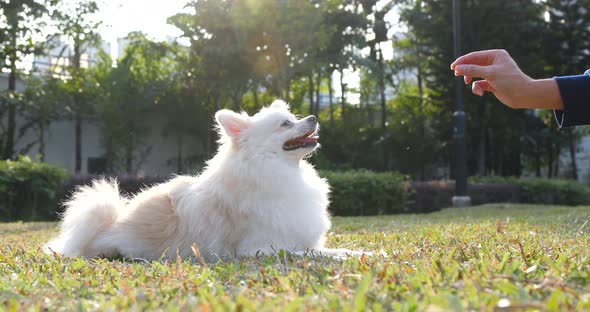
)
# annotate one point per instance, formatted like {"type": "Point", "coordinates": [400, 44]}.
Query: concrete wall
{"type": "Point", "coordinates": [583, 160]}
{"type": "Point", "coordinates": [159, 157]}
{"type": "Point", "coordinates": [60, 144]}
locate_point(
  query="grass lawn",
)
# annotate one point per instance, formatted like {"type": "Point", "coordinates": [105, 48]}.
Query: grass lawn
{"type": "Point", "coordinates": [492, 257]}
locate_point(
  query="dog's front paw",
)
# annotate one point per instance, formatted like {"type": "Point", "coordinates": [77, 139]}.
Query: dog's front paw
{"type": "Point", "coordinates": [356, 253]}
{"type": "Point", "coordinates": [339, 253]}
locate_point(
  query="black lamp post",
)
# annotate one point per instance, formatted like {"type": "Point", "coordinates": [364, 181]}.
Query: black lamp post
{"type": "Point", "coordinates": [459, 158]}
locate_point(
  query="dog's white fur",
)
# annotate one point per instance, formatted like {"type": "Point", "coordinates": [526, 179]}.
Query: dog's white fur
{"type": "Point", "coordinates": [253, 197]}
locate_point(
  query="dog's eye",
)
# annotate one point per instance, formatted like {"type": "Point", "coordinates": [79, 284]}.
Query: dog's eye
{"type": "Point", "coordinates": [287, 124]}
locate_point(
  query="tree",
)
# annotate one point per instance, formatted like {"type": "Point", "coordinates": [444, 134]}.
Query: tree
{"type": "Point", "coordinates": [42, 104]}
{"type": "Point", "coordinates": [215, 40]}
{"type": "Point", "coordinates": [412, 134]}
{"type": "Point", "coordinates": [78, 29]}
{"type": "Point", "coordinates": [127, 93]}
{"type": "Point", "coordinates": [348, 29]}
{"type": "Point", "coordinates": [186, 116]}
{"type": "Point", "coordinates": [568, 51]}
{"type": "Point", "coordinates": [379, 30]}
{"type": "Point", "coordinates": [493, 140]}
{"type": "Point", "coordinates": [218, 52]}
{"type": "Point", "coordinates": [256, 47]}
{"type": "Point", "coordinates": [21, 22]}
{"type": "Point", "coordinates": [409, 60]}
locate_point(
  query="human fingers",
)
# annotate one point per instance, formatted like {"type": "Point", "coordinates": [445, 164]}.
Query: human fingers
{"type": "Point", "coordinates": [480, 86]}
{"type": "Point", "coordinates": [467, 79]}
{"type": "Point", "coordinates": [478, 58]}
{"type": "Point", "coordinates": [473, 71]}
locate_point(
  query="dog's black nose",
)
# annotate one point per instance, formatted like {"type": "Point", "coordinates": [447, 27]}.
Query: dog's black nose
{"type": "Point", "coordinates": [311, 118]}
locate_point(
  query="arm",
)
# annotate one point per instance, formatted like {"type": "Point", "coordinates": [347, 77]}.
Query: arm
{"type": "Point", "coordinates": [539, 94]}
{"type": "Point", "coordinates": [575, 92]}
{"type": "Point", "coordinates": [569, 96]}
{"type": "Point", "coordinates": [502, 77]}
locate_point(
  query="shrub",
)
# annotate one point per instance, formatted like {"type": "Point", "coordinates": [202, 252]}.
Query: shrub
{"type": "Point", "coordinates": [544, 191]}
{"type": "Point", "coordinates": [353, 192]}
{"type": "Point", "coordinates": [430, 196]}
{"type": "Point", "coordinates": [435, 195]}
{"type": "Point", "coordinates": [28, 189]}
{"type": "Point", "coordinates": [361, 192]}
{"type": "Point", "coordinates": [128, 185]}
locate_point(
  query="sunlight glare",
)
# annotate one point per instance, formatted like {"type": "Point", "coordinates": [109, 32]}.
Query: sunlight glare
{"type": "Point", "coordinates": [149, 16]}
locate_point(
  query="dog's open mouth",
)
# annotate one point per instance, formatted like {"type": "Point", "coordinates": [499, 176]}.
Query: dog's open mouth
{"type": "Point", "coordinates": [308, 139]}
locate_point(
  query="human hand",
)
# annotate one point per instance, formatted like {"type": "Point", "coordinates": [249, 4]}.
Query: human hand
{"type": "Point", "coordinates": [502, 77]}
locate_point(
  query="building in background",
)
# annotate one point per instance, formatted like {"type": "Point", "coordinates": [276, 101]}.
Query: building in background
{"type": "Point", "coordinates": [59, 55]}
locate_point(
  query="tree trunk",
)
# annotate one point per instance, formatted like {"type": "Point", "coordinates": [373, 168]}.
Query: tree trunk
{"type": "Point", "coordinates": [481, 158]}
{"type": "Point", "coordinates": [287, 91]}
{"type": "Point", "coordinates": [41, 150]}
{"type": "Point", "coordinates": [255, 97]}
{"type": "Point", "coordinates": [518, 162]}
{"type": "Point", "coordinates": [208, 143]}
{"type": "Point", "coordinates": [179, 154]}
{"type": "Point", "coordinates": [538, 164]}
{"type": "Point", "coordinates": [386, 149]}
{"type": "Point", "coordinates": [491, 163]}
{"type": "Point", "coordinates": [369, 110]}
{"type": "Point", "coordinates": [216, 102]}
{"type": "Point", "coordinates": [129, 155]}
{"type": "Point", "coordinates": [500, 160]}
{"type": "Point", "coordinates": [382, 90]}
{"type": "Point", "coordinates": [318, 85]}
{"type": "Point", "coordinates": [78, 141]}
{"type": "Point", "coordinates": [330, 94]}
{"type": "Point", "coordinates": [342, 96]}
{"type": "Point", "coordinates": [572, 147]}
{"type": "Point", "coordinates": [212, 134]}
{"type": "Point", "coordinates": [556, 167]}
{"type": "Point", "coordinates": [550, 161]}
{"type": "Point", "coordinates": [237, 99]}
{"type": "Point", "coordinates": [422, 117]}
{"type": "Point", "coordinates": [310, 92]}
{"type": "Point", "coordinates": [109, 155]}
{"type": "Point", "coordinates": [11, 126]}
{"type": "Point", "coordinates": [78, 107]}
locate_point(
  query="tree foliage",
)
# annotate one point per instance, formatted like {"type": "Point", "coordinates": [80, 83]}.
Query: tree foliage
{"type": "Point", "coordinates": [495, 133]}
{"type": "Point", "coordinates": [242, 54]}
{"type": "Point", "coordinates": [20, 22]}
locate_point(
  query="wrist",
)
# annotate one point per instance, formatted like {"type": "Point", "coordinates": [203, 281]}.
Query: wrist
{"type": "Point", "coordinates": [543, 94]}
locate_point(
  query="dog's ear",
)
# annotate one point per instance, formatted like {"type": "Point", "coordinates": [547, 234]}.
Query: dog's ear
{"type": "Point", "coordinates": [232, 123]}
{"type": "Point", "coordinates": [280, 104]}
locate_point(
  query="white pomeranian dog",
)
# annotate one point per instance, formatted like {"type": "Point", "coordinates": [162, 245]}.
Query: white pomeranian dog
{"type": "Point", "coordinates": [257, 195]}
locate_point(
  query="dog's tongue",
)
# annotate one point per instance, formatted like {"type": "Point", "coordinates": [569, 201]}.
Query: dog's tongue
{"type": "Point", "coordinates": [303, 140]}
{"type": "Point", "coordinates": [308, 137]}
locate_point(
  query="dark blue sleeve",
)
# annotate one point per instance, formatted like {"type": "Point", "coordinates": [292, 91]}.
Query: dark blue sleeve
{"type": "Point", "coordinates": [575, 94]}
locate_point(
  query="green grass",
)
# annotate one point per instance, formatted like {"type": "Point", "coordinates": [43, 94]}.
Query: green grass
{"type": "Point", "coordinates": [493, 257]}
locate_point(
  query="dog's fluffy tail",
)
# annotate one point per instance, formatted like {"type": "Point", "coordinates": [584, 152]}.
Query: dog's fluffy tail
{"type": "Point", "coordinates": [90, 210]}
